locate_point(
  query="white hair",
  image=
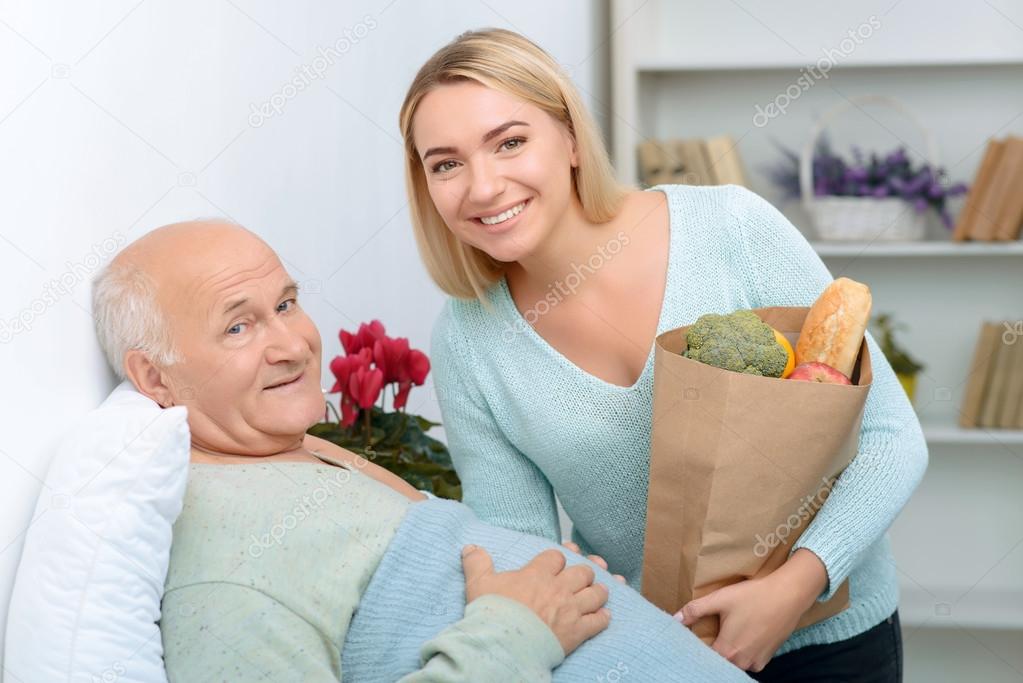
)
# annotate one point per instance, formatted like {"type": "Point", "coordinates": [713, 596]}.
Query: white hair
{"type": "Point", "coordinates": [127, 316]}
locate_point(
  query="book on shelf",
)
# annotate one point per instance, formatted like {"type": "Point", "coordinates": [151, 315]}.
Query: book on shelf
{"type": "Point", "coordinates": [980, 370]}
{"type": "Point", "coordinates": [987, 167]}
{"type": "Point", "coordinates": [693, 161]}
{"type": "Point", "coordinates": [994, 389]}
{"type": "Point", "coordinates": [1008, 417]}
{"type": "Point", "coordinates": [655, 166]}
{"type": "Point", "coordinates": [993, 210]}
{"type": "Point", "coordinates": [723, 153]}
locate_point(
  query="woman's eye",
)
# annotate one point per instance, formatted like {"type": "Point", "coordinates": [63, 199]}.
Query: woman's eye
{"type": "Point", "coordinates": [444, 167]}
{"type": "Point", "coordinates": [512, 143]}
{"type": "Point", "coordinates": [236, 326]}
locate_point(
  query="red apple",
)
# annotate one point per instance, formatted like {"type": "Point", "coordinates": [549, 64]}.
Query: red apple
{"type": "Point", "coordinates": [818, 372]}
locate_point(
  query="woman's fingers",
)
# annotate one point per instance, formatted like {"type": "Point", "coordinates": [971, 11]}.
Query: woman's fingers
{"type": "Point", "coordinates": [572, 546]}
{"type": "Point", "coordinates": [619, 578]}
{"type": "Point", "coordinates": [599, 561]}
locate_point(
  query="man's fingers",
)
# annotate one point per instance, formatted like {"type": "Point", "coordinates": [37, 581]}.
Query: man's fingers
{"type": "Point", "coordinates": [476, 563]}
{"type": "Point", "coordinates": [595, 559]}
{"type": "Point", "coordinates": [592, 598]}
{"type": "Point", "coordinates": [578, 577]}
{"type": "Point", "coordinates": [551, 561]}
{"type": "Point", "coordinates": [595, 622]}
{"type": "Point", "coordinates": [619, 578]}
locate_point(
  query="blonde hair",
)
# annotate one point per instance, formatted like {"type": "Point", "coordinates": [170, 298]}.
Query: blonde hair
{"type": "Point", "coordinates": [505, 61]}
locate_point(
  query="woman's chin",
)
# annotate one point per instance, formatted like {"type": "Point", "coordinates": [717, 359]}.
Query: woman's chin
{"type": "Point", "coordinates": [509, 247]}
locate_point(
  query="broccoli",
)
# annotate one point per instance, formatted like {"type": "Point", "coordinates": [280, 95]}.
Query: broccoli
{"type": "Point", "coordinates": [738, 341]}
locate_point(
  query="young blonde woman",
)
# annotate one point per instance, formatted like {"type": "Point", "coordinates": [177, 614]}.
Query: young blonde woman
{"type": "Point", "coordinates": [560, 278]}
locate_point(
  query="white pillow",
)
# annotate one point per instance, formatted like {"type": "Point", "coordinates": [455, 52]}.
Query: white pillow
{"type": "Point", "coordinates": [86, 599]}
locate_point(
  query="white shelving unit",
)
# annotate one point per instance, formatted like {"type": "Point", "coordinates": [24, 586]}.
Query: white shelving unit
{"type": "Point", "coordinates": [701, 68]}
{"type": "Point", "coordinates": [950, 434]}
{"type": "Point", "coordinates": [914, 249]}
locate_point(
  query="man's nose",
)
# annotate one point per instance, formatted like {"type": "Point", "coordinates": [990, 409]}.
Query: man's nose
{"type": "Point", "coordinates": [485, 184]}
{"type": "Point", "coordinates": [285, 344]}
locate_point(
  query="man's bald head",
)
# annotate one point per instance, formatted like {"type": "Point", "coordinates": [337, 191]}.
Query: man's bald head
{"type": "Point", "coordinates": [127, 307]}
{"type": "Point", "coordinates": [203, 314]}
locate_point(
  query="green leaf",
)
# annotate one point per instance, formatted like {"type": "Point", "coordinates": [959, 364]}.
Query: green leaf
{"type": "Point", "coordinates": [399, 444]}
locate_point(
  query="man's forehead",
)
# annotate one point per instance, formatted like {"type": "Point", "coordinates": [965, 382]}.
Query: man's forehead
{"type": "Point", "coordinates": [234, 281]}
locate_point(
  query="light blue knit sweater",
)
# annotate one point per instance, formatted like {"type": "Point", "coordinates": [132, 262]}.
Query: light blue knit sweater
{"type": "Point", "coordinates": [524, 423]}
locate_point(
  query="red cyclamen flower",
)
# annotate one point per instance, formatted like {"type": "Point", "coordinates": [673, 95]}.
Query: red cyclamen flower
{"type": "Point", "coordinates": [365, 337]}
{"type": "Point", "coordinates": [364, 386]}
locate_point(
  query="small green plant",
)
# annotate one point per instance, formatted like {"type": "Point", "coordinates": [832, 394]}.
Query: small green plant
{"type": "Point", "coordinates": [902, 363]}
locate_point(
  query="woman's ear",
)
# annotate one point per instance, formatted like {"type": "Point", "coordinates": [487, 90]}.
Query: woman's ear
{"type": "Point", "coordinates": [147, 378]}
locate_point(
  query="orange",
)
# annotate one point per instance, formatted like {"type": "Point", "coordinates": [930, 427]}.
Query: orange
{"type": "Point", "coordinates": [791, 364]}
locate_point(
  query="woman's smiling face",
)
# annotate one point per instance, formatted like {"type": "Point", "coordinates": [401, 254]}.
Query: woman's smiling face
{"type": "Point", "coordinates": [499, 169]}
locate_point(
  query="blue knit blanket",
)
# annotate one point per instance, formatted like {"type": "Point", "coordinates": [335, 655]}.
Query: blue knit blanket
{"type": "Point", "coordinates": [419, 589]}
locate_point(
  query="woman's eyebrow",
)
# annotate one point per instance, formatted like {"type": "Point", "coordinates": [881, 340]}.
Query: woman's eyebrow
{"type": "Point", "coordinates": [486, 138]}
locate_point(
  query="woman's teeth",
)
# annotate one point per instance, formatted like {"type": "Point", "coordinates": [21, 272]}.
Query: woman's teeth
{"type": "Point", "coordinates": [502, 217]}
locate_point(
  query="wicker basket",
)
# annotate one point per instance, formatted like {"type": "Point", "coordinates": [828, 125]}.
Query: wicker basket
{"type": "Point", "coordinates": [862, 218]}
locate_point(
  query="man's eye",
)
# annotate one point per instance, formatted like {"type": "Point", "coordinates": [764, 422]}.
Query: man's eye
{"type": "Point", "coordinates": [236, 326]}
{"type": "Point", "coordinates": [293, 303]}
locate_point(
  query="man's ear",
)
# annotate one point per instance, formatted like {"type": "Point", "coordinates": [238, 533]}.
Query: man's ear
{"type": "Point", "coordinates": [147, 378]}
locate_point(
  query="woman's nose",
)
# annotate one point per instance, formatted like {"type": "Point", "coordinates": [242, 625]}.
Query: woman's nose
{"type": "Point", "coordinates": [486, 184]}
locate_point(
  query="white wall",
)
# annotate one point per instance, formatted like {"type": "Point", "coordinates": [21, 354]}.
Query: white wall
{"type": "Point", "coordinates": [117, 117]}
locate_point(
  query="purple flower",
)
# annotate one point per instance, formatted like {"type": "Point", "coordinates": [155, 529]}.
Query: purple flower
{"type": "Point", "coordinates": [892, 175]}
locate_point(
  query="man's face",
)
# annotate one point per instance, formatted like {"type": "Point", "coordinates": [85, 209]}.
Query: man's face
{"type": "Point", "coordinates": [250, 374]}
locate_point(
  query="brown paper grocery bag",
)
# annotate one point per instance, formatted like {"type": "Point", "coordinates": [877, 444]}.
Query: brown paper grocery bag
{"type": "Point", "coordinates": [739, 465]}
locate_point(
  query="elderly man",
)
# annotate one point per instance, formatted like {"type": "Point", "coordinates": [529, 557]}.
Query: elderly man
{"type": "Point", "coordinates": [362, 573]}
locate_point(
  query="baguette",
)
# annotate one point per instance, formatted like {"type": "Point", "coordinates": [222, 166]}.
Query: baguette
{"type": "Point", "coordinates": [834, 327]}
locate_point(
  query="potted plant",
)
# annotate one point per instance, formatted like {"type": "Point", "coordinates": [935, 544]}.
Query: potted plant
{"type": "Point", "coordinates": [892, 175]}
{"type": "Point", "coordinates": [396, 439]}
{"type": "Point", "coordinates": [905, 367]}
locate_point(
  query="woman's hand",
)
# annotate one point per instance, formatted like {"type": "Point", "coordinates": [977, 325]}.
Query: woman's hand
{"type": "Point", "coordinates": [758, 615]}
{"type": "Point", "coordinates": [595, 559]}
{"type": "Point", "coordinates": [565, 598]}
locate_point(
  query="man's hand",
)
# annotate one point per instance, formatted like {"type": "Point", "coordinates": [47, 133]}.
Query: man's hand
{"type": "Point", "coordinates": [595, 559]}
{"type": "Point", "coordinates": [758, 615]}
{"type": "Point", "coordinates": [566, 599]}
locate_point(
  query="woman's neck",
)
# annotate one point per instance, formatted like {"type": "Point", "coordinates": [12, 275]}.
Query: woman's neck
{"type": "Point", "coordinates": [568, 247]}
